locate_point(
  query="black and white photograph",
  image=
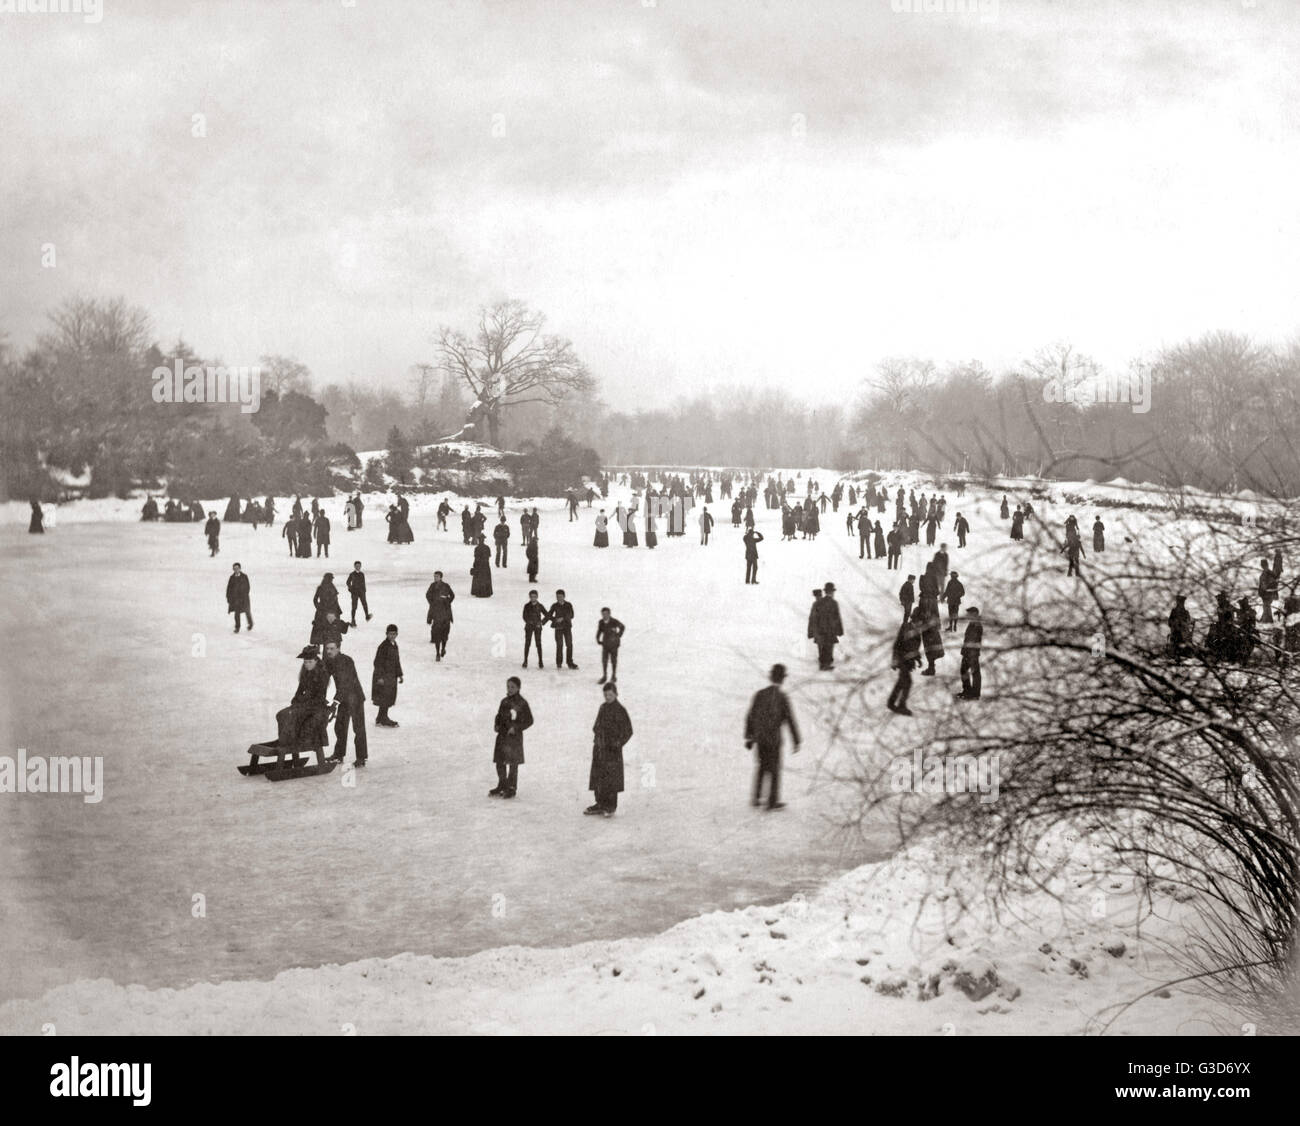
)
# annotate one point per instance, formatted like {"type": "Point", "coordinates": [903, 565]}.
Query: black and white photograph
{"type": "Point", "coordinates": [651, 518]}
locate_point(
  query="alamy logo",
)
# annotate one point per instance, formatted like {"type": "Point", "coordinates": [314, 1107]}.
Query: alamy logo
{"type": "Point", "coordinates": [92, 11]}
{"type": "Point", "coordinates": [946, 774]}
{"type": "Point", "coordinates": [198, 384]}
{"type": "Point", "coordinates": [1134, 388]}
{"type": "Point", "coordinates": [101, 1080]}
{"type": "Point", "coordinates": [987, 10]}
{"type": "Point", "coordinates": [58, 775]}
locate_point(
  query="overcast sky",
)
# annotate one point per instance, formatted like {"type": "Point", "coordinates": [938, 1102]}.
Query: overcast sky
{"type": "Point", "coordinates": [694, 192]}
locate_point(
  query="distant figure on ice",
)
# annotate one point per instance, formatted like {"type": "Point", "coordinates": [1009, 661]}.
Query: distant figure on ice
{"type": "Point", "coordinates": [439, 596]}
{"type": "Point", "coordinates": [212, 529]}
{"type": "Point", "coordinates": [36, 526]}
{"type": "Point", "coordinates": [1180, 629]}
{"type": "Point", "coordinates": [150, 510]}
{"type": "Point", "coordinates": [651, 536]}
{"type": "Point", "coordinates": [971, 644]}
{"type": "Point", "coordinates": [611, 731]}
{"type": "Point", "coordinates": [356, 585]}
{"type": "Point", "coordinates": [812, 523]}
{"type": "Point", "coordinates": [513, 718]}
{"type": "Point", "coordinates": [531, 556]}
{"type": "Point", "coordinates": [1098, 536]}
{"type": "Point", "coordinates": [864, 533]}
{"type": "Point", "coordinates": [826, 628]}
{"type": "Point", "coordinates": [609, 635]}
{"type": "Point", "coordinates": [706, 526]}
{"type": "Point", "coordinates": [1269, 576]}
{"type": "Point", "coordinates": [386, 677]}
{"type": "Point", "coordinates": [501, 537]}
{"type": "Point", "coordinates": [962, 528]}
{"type": "Point", "coordinates": [752, 540]}
{"type": "Point", "coordinates": [1073, 552]}
{"type": "Point", "coordinates": [535, 616]}
{"type": "Point", "coordinates": [350, 515]}
{"type": "Point", "coordinates": [1017, 524]}
{"type": "Point", "coordinates": [769, 712]}
{"type": "Point", "coordinates": [561, 618]}
{"type": "Point", "coordinates": [351, 699]}
{"type": "Point", "coordinates": [906, 656]}
{"type": "Point", "coordinates": [328, 627]}
{"type": "Point", "coordinates": [358, 507]}
{"type": "Point", "coordinates": [290, 533]}
{"type": "Point", "coordinates": [953, 593]}
{"type": "Point", "coordinates": [878, 540]}
{"type": "Point", "coordinates": [481, 571]}
{"type": "Point", "coordinates": [237, 596]}
{"type": "Point", "coordinates": [444, 510]}
{"type": "Point", "coordinates": [322, 529]}
{"type": "Point", "coordinates": [602, 530]}
{"type": "Point", "coordinates": [1004, 512]}
{"type": "Point", "coordinates": [907, 596]}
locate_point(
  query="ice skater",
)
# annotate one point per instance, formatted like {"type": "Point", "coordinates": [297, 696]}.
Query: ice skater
{"type": "Point", "coordinates": [513, 718]}
{"type": "Point", "coordinates": [237, 596]}
{"type": "Point", "coordinates": [609, 636]}
{"type": "Point", "coordinates": [769, 711]}
{"type": "Point", "coordinates": [386, 677]}
{"type": "Point", "coordinates": [611, 731]}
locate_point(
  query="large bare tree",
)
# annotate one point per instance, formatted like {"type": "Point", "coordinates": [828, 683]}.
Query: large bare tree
{"type": "Point", "coordinates": [508, 360]}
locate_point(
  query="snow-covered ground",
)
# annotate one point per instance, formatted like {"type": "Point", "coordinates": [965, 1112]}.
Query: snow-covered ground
{"type": "Point", "coordinates": [408, 898]}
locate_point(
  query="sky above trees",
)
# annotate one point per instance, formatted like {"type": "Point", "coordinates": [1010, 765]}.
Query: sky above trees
{"type": "Point", "coordinates": [694, 194]}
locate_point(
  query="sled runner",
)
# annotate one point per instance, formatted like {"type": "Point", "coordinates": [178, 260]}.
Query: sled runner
{"type": "Point", "coordinates": [292, 762]}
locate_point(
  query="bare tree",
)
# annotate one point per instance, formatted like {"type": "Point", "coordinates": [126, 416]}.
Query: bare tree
{"type": "Point", "coordinates": [284, 374]}
{"type": "Point", "coordinates": [508, 361]}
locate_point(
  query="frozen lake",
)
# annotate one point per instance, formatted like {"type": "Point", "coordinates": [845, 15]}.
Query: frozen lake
{"type": "Point", "coordinates": [102, 625]}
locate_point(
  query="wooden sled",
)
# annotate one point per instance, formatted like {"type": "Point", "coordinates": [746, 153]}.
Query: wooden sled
{"type": "Point", "coordinates": [289, 762]}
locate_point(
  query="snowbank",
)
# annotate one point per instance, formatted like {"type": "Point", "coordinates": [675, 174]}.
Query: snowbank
{"type": "Point", "coordinates": [878, 950]}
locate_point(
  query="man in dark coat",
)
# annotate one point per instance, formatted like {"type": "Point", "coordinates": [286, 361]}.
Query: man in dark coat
{"type": "Point", "coordinates": [962, 527]}
{"type": "Point", "coordinates": [971, 644]}
{"type": "Point", "coordinates": [752, 540]}
{"type": "Point", "coordinates": [237, 596]}
{"type": "Point", "coordinates": [357, 589]}
{"type": "Point", "coordinates": [351, 699]}
{"type": "Point", "coordinates": [827, 627]}
{"type": "Point", "coordinates": [501, 537]}
{"type": "Point", "coordinates": [894, 553]}
{"type": "Point", "coordinates": [907, 596]}
{"type": "Point", "coordinates": [212, 529]}
{"type": "Point", "coordinates": [864, 534]}
{"type": "Point", "coordinates": [906, 656]}
{"type": "Point", "coordinates": [769, 711]}
{"type": "Point", "coordinates": [322, 527]}
{"type": "Point", "coordinates": [439, 596]}
{"type": "Point", "coordinates": [513, 718]}
{"type": "Point", "coordinates": [609, 635]}
{"type": "Point", "coordinates": [535, 616]}
{"type": "Point", "coordinates": [305, 717]}
{"type": "Point", "coordinates": [611, 731]}
{"type": "Point", "coordinates": [386, 677]}
{"type": "Point", "coordinates": [953, 593]}
{"type": "Point", "coordinates": [290, 533]}
{"type": "Point", "coordinates": [560, 616]}
{"type": "Point", "coordinates": [444, 510]}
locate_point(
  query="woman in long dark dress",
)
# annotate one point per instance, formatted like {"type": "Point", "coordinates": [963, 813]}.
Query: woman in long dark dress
{"type": "Point", "coordinates": [612, 730]}
{"type": "Point", "coordinates": [629, 528]}
{"type": "Point", "coordinates": [481, 571]}
{"type": "Point", "coordinates": [651, 536]}
{"type": "Point", "coordinates": [602, 530]}
{"type": "Point", "coordinates": [878, 540]}
{"type": "Point", "coordinates": [37, 525]}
